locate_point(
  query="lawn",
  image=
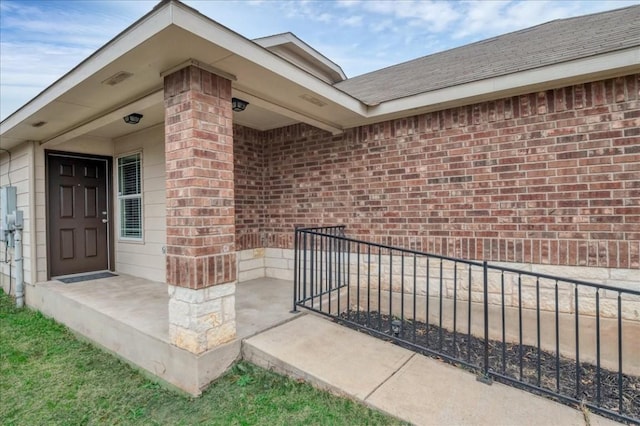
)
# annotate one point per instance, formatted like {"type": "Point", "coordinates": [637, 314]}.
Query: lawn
{"type": "Point", "coordinates": [47, 376]}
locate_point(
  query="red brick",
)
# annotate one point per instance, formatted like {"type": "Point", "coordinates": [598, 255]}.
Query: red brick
{"type": "Point", "coordinates": [450, 181]}
{"type": "Point", "coordinates": [200, 180]}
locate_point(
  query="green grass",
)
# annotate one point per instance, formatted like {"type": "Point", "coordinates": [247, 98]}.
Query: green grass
{"type": "Point", "coordinates": [48, 376]}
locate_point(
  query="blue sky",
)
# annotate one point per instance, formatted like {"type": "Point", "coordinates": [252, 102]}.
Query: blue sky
{"type": "Point", "coordinates": [42, 40]}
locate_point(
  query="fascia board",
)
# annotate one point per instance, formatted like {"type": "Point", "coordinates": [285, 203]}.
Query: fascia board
{"type": "Point", "coordinates": [145, 28]}
{"type": "Point", "coordinates": [213, 32]}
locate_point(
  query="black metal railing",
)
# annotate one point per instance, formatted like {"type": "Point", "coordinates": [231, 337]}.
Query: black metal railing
{"type": "Point", "coordinates": [573, 340]}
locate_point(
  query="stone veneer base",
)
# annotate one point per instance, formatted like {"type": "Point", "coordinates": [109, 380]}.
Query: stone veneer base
{"type": "Point", "coordinates": [202, 319]}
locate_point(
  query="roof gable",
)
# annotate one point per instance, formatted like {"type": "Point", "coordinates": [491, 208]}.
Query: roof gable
{"type": "Point", "coordinates": [299, 53]}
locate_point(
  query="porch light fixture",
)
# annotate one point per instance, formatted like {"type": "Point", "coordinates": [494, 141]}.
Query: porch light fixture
{"type": "Point", "coordinates": [132, 118]}
{"type": "Point", "coordinates": [238, 104]}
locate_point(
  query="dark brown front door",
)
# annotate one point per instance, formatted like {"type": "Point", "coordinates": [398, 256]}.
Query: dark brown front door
{"type": "Point", "coordinates": [78, 212]}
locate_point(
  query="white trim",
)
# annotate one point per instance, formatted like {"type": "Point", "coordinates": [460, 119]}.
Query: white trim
{"type": "Point", "coordinates": [600, 66]}
{"type": "Point", "coordinates": [122, 239]}
{"type": "Point", "coordinates": [33, 226]}
{"type": "Point", "coordinates": [198, 64]}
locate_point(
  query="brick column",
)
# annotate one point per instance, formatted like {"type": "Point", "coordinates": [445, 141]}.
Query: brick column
{"type": "Point", "coordinates": [201, 256]}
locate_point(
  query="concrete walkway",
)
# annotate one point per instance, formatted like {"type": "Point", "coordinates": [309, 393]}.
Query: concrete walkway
{"type": "Point", "coordinates": [406, 385]}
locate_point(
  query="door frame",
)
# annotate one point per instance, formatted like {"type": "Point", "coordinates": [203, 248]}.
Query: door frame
{"type": "Point", "coordinates": [109, 175]}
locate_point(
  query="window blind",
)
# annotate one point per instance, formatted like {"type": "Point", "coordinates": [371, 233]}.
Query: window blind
{"type": "Point", "coordinates": [130, 196]}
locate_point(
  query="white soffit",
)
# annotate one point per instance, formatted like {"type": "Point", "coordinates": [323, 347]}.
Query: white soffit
{"type": "Point", "coordinates": [255, 101]}
{"type": "Point", "coordinates": [116, 115]}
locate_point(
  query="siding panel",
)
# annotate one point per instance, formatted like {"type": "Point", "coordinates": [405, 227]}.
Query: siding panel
{"type": "Point", "coordinates": [145, 259]}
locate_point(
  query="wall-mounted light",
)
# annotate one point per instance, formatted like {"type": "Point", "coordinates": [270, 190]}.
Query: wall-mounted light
{"type": "Point", "coordinates": [238, 104]}
{"type": "Point", "coordinates": [132, 118]}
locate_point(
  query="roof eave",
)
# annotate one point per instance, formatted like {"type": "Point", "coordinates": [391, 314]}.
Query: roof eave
{"type": "Point", "coordinates": [165, 15]}
{"type": "Point", "coordinates": [173, 13]}
{"type": "Point", "coordinates": [144, 28]}
{"type": "Point", "coordinates": [201, 26]}
{"type": "Point", "coordinates": [578, 71]}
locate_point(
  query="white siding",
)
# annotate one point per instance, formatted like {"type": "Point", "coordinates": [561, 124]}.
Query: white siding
{"type": "Point", "coordinates": [144, 258]}
{"type": "Point", "coordinates": [18, 174]}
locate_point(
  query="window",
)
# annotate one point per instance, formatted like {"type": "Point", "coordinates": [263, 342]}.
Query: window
{"type": "Point", "coordinates": [130, 196]}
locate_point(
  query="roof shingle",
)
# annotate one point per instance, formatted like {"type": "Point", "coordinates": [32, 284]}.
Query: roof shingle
{"type": "Point", "coordinates": [546, 44]}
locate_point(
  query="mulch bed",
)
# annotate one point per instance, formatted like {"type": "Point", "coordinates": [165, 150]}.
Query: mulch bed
{"type": "Point", "coordinates": [519, 362]}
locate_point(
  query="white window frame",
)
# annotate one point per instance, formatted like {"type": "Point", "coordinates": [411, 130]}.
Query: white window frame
{"type": "Point", "coordinates": [121, 197]}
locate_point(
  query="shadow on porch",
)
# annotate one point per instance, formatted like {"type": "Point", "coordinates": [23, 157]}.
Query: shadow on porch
{"type": "Point", "coordinates": [129, 317]}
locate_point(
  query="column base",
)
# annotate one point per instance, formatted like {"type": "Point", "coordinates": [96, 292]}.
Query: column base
{"type": "Point", "coordinates": [200, 320]}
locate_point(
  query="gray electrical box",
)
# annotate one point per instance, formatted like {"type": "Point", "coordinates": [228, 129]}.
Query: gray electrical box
{"type": "Point", "coordinates": [8, 206]}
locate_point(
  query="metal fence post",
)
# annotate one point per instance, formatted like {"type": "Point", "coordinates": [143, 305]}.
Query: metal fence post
{"type": "Point", "coordinates": [296, 270]}
{"type": "Point", "coordinates": [484, 377]}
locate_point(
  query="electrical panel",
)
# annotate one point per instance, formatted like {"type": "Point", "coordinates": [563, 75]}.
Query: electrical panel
{"type": "Point", "coordinates": [8, 207]}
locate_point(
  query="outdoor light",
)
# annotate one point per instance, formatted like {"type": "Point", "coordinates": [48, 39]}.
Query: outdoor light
{"type": "Point", "coordinates": [238, 104]}
{"type": "Point", "coordinates": [132, 118]}
{"type": "Point", "coordinates": [395, 327]}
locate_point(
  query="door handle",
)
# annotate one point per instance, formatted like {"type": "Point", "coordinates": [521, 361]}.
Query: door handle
{"type": "Point", "coordinates": [105, 220]}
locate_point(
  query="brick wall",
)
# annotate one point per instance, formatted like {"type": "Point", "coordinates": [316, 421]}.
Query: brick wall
{"type": "Point", "coordinates": [549, 177]}
{"type": "Point", "coordinates": [249, 175]}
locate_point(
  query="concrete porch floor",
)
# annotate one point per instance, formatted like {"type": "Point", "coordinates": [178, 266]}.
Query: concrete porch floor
{"type": "Point", "coordinates": [129, 317]}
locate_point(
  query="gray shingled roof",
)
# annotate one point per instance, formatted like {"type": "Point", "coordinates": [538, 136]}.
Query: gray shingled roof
{"type": "Point", "coordinates": [546, 44]}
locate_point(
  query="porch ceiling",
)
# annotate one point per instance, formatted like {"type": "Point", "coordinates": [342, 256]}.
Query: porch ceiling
{"type": "Point", "coordinates": [80, 103]}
